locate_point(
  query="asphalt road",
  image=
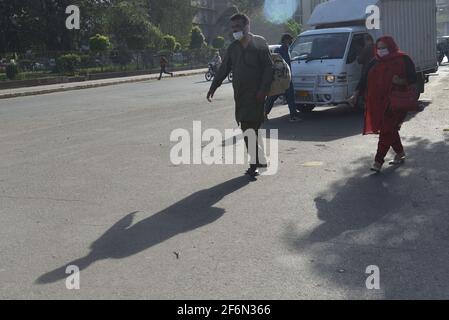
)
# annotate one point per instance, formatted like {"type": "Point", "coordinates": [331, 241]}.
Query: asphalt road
{"type": "Point", "coordinates": [86, 179]}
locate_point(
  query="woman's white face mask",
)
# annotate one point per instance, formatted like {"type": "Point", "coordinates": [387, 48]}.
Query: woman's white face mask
{"type": "Point", "coordinates": [383, 52]}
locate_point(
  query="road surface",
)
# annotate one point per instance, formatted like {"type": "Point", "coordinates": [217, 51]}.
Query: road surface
{"type": "Point", "coordinates": [86, 180]}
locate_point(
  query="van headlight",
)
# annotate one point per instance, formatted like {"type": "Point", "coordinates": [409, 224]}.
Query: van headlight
{"type": "Point", "coordinates": [330, 78]}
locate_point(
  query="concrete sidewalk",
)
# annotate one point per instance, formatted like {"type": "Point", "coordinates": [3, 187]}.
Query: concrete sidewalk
{"type": "Point", "coordinates": [37, 90]}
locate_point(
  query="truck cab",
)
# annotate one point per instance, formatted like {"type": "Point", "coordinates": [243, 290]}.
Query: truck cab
{"type": "Point", "coordinates": [324, 65]}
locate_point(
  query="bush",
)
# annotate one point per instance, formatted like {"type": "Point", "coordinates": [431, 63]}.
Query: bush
{"type": "Point", "coordinates": [178, 47]}
{"type": "Point", "coordinates": [156, 39]}
{"type": "Point", "coordinates": [196, 38]}
{"type": "Point", "coordinates": [12, 70]}
{"type": "Point", "coordinates": [86, 61]}
{"type": "Point", "coordinates": [68, 63]}
{"type": "Point", "coordinates": [99, 43]}
{"type": "Point", "coordinates": [169, 43]}
{"type": "Point", "coordinates": [26, 64]}
{"type": "Point", "coordinates": [218, 43]}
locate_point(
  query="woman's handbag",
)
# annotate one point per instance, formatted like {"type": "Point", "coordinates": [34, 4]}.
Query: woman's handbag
{"type": "Point", "coordinates": [404, 100]}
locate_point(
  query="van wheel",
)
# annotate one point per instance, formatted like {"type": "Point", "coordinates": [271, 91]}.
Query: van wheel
{"type": "Point", "coordinates": [305, 108]}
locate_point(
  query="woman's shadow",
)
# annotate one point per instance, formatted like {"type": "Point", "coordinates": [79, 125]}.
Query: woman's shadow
{"type": "Point", "coordinates": [124, 239]}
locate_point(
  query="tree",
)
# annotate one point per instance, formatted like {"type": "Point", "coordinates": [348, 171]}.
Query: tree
{"type": "Point", "coordinates": [218, 43]}
{"type": "Point", "coordinates": [169, 43]}
{"type": "Point", "coordinates": [131, 28]}
{"type": "Point", "coordinates": [172, 17]}
{"type": "Point", "coordinates": [40, 24]}
{"type": "Point", "coordinates": [99, 43]}
{"type": "Point", "coordinates": [178, 47]}
{"type": "Point", "coordinates": [196, 38]}
{"type": "Point", "coordinates": [293, 28]}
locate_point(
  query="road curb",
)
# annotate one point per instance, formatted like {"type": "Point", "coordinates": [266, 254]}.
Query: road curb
{"type": "Point", "coordinates": [91, 85]}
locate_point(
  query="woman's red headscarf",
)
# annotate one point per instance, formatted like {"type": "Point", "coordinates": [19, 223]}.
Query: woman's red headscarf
{"type": "Point", "coordinates": [380, 84]}
{"type": "Point", "coordinates": [392, 48]}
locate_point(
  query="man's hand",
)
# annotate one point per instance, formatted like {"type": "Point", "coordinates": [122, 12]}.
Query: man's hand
{"type": "Point", "coordinates": [210, 95]}
{"type": "Point", "coordinates": [261, 96]}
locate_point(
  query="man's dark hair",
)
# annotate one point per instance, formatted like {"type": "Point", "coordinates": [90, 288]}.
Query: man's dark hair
{"type": "Point", "coordinates": [242, 17]}
{"type": "Point", "coordinates": [286, 36]}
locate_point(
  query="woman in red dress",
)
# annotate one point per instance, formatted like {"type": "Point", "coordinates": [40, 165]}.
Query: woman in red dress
{"type": "Point", "coordinates": [391, 69]}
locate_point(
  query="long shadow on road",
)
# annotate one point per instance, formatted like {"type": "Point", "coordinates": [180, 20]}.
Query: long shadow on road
{"type": "Point", "coordinates": [321, 125]}
{"type": "Point", "coordinates": [397, 220]}
{"type": "Point", "coordinates": [124, 239]}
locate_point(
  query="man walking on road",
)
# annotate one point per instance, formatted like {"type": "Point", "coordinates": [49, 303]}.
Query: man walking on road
{"type": "Point", "coordinates": [249, 58]}
{"type": "Point", "coordinates": [286, 41]}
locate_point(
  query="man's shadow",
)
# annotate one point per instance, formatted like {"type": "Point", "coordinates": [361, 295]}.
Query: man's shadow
{"type": "Point", "coordinates": [124, 239]}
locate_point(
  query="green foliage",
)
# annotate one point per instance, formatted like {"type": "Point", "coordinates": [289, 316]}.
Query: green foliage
{"type": "Point", "coordinates": [169, 43]}
{"type": "Point", "coordinates": [99, 43]}
{"type": "Point", "coordinates": [68, 63]}
{"type": "Point", "coordinates": [293, 28]}
{"type": "Point", "coordinates": [134, 24]}
{"type": "Point", "coordinates": [196, 38]}
{"type": "Point", "coordinates": [86, 61]}
{"type": "Point", "coordinates": [172, 17]}
{"type": "Point", "coordinates": [218, 43]}
{"type": "Point", "coordinates": [12, 70]}
{"type": "Point", "coordinates": [132, 29]}
{"type": "Point", "coordinates": [178, 47]}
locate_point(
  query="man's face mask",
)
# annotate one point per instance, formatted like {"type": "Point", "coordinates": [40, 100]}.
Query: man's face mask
{"type": "Point", "coordinates": [239, 30]}
{"type": "Point", "coordinates": [238, 35]}
{"type": "Point", "coordinates": [383, 52]}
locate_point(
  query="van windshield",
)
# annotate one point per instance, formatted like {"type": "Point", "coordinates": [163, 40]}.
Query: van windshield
{"type": "Point", "coordinates": [320, 46]}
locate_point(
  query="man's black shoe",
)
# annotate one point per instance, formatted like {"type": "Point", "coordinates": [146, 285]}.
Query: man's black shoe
{"type": "Point", "coordinates": [252, 172]}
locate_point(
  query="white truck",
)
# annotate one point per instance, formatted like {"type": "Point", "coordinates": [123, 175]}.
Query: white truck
{"type": "Point", "coordinates": [324, 65]}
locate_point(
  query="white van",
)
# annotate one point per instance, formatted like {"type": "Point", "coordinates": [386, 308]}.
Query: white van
{"type": "Point", "coordinates": [324, 60]}
{"type": "Point", "coordinates": [324, 66]}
